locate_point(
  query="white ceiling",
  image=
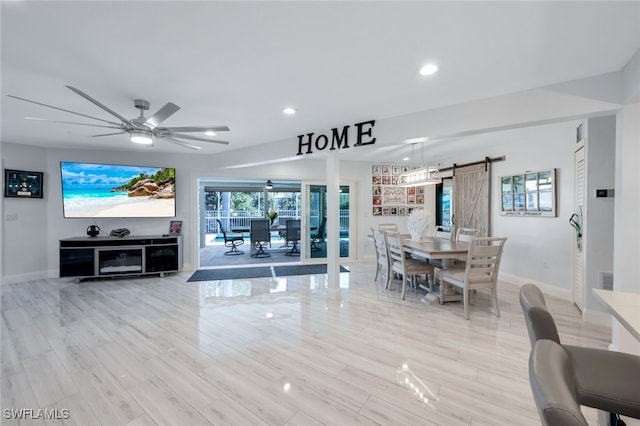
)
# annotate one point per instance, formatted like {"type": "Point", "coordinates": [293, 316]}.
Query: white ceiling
{"type": "Point", "coordinates": [240, 63]}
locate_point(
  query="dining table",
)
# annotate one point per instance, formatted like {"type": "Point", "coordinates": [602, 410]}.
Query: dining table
{"type": "Point", "coordinates": [442, 249]}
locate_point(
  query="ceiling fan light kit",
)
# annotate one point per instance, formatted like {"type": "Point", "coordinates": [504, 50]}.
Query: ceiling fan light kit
{"type": "Point", "coordinates": [141, 137]}
{"type": "Point", "coordinates": [141, 130]}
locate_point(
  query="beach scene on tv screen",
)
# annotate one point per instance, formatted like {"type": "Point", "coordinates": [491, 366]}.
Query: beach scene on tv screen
{"type": "Point", "coordinates": [106, 190]}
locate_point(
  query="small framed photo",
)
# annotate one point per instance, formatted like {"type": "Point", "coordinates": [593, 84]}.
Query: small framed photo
{"type": "Point", "coordinates": [386, 170]}
{"type": "Point", "coordinates": [377, 211]}
{"type": "Point", "coordinates": [175, 227]}
{"type": "Point", "coordinates": [393, 211]}
{"type": "Point", "coordinates": [402, 211]}
{"type": "Point", "coordinates": [386, 180]}
{"type": "Point", "coordinates": [385, 211]}
{"type": "Point", "coordinates": [376, 170]}
{"type": "Point", "coordinates": [376, 180]}
{"type": "Point", "coordinates": [376, 190]}
{"type": "Point", "coordinates": [394, 180]}
{"type": "Point", "coordinates": [396, 170]}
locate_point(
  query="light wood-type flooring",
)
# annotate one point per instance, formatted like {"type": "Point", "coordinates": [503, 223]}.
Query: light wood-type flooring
{"type": "Point", "coordinates": [284, 351]}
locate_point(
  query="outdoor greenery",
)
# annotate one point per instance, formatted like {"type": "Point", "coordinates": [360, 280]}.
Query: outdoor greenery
{"type": "Point", "coordinates": [252, 202]}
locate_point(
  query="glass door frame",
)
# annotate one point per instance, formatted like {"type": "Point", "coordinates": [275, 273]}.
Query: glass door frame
{"type": "Point", "coordinates": [305, 255]}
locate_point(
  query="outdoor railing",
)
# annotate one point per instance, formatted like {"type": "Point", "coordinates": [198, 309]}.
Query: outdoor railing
{"type": "Point", "coordinates": [242, 219]}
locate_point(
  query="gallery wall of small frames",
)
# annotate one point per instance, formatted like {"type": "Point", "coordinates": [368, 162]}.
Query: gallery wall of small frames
{"type": "Point", "coordinates": [387, 198]}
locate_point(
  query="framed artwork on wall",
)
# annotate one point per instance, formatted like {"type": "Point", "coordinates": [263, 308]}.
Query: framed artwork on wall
{"type": "Point", "coordinates": [23, 184]}
{"type": "Point", "coordinates": [529, 194]}
{"type": "Point", "coordinates": [389, 199]}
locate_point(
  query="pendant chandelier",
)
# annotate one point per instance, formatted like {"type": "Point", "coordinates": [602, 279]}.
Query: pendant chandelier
{"type": "Point", "coordinates": [426, 175]}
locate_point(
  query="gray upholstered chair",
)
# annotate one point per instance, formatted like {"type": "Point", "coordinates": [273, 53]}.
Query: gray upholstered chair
{"type": "Point", "coordinates": [606, 380]}
{"type": "Point", "coordinates": [553, 385]}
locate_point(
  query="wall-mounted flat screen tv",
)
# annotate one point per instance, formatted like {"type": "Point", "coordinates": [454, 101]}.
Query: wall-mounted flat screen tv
{"type": "Point", "coordinates": [92, 190]}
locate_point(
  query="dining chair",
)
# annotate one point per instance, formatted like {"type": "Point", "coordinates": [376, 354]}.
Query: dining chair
{"type": "Point", "coordinates": [231, 240]}
{"type": "Point", "coordinates": [465, 235]}
{"type": "Point", "coordinates": [552, 379]}
{"type": "Point", "coordinates": [293, 237]}
{"type": "Point", "coordinates": [440, 232]}
{"type": "Point", "coordinates": [388, 227]}
{"type": "Point", "coordinates": [480, 272]}
{"type": "Point", "coordinates": [319, 235]}
{"type": "Point", "coordinates": [260, 234]}
{"type": "Point", "coordinates": [606, 380]}
{"type": "Point", "coordinates": [403, 265]}
{"type": "Point", "coordinates": [382, 257]}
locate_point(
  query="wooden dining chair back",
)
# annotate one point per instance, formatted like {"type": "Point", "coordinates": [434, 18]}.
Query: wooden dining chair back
{"type": "Point", "coordinates": [260, 234]}
{"type": "Point", "coordinates": [402, 264]}
{"type": "Point", "coordinates": [293, 237]}
{"type": "Point", "coordinates": [382, 256]}
{"type": "Point", "coordinates": [231, 240]}
{"type": "Point", "coordinates": [467, 234]}
{"type": "Point", "coordinates": [440, 232]}
{"type": "Point", "coordinates": [480, 272]}
{"type": "Point", "coordinates": [388, 227]}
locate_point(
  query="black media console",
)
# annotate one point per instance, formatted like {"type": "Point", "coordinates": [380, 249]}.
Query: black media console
{"type": "Point", "coordinates": [86, 257]}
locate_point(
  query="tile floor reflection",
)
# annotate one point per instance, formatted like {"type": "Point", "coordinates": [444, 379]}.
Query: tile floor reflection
{"type": "Point", "coordinates": [268, 351]}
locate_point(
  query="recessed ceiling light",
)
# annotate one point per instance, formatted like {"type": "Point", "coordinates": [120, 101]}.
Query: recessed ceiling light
{"type": "Point", "coordinates": [289, 111]}
{"type": "Point", "coordinates": [210, 133]}
{"type": "Point", "coordinates": [428, 69]}
{"type": "Point", "coordinates": [406, 159]}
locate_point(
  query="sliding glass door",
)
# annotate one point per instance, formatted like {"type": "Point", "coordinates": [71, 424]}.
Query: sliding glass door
{"type": "Point", "coordinates": [315, 215]}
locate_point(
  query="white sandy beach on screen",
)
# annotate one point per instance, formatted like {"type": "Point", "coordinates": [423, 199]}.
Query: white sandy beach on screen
{"type": "Point", "coordinates": [143, 208]}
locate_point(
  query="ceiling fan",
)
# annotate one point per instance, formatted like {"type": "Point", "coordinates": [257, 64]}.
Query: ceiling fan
{"type": "Point", "coordinates": [141, 130]}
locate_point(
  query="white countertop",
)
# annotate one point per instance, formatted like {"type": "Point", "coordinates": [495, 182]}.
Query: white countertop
{"type": "Point", "coordinates": [625, 307]}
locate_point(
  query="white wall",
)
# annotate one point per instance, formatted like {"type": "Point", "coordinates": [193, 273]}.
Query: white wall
{"type": "Point", "coordinates": [24, 252]}
{"type": "Point", "coordinates": [599, 212]}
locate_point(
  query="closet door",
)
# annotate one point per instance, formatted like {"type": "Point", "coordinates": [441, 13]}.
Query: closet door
{"type": "Point", "coordinates": [578, 204]}
{"type": "Point", "coordinates": [471, 197]}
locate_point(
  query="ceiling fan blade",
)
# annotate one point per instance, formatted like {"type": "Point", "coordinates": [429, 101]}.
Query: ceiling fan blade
{"type": "Point", "coordinates": [93, 101]}
{"type": "Point", "coordinates": [108, 134]}
{"type": "Point", "coordinates": [163, 113]}
{"type": "Point", "coordinates": [197, 129]}
{"type": "Point", "coordinates": [193, 138]}
{"type": "Point", "coordinates": [62, 109]}
{"type": "Point", "coordinates": [178, 142]}
{"type": "Point", "coordinates": [116, 125]}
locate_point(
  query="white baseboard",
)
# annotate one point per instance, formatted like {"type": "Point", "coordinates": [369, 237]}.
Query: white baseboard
{"type": "Point", "coordinates": [551, 290]}
{"type": "Point", "coordinates": [588, 315]}
{"type": "Point", "coordinates": [29, 276]}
